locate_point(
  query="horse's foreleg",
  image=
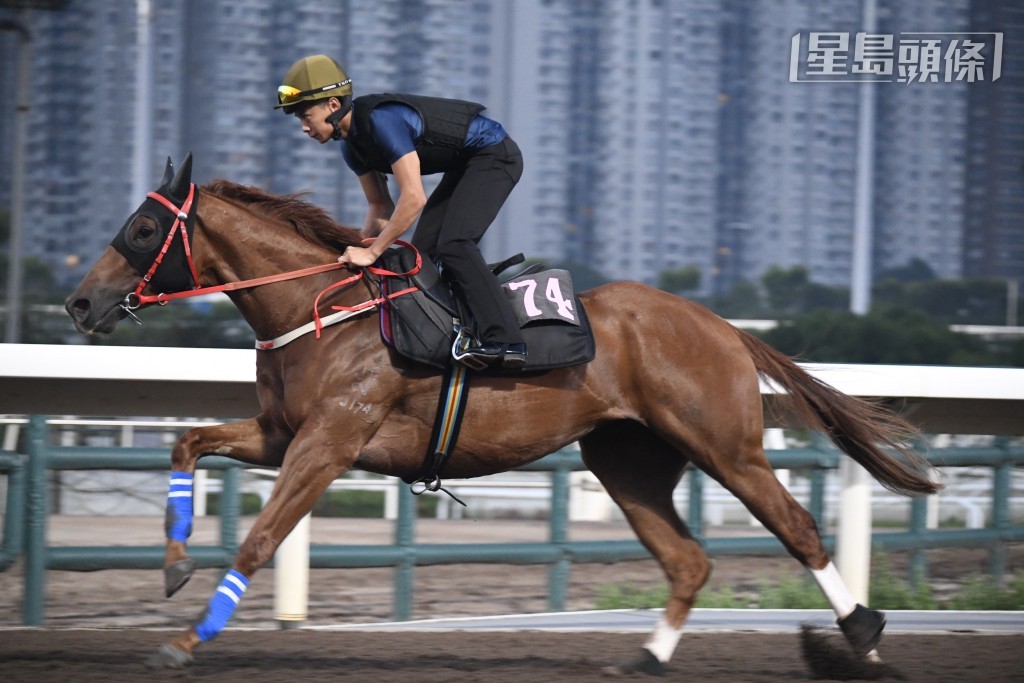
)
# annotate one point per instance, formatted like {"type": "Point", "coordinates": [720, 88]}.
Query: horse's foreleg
{"type": "Point", "coordinates": [310, 466]}
{"type": "Point", "coordinates": [253, 441]}
{"type": "Point", "coordinates": [640, 471]}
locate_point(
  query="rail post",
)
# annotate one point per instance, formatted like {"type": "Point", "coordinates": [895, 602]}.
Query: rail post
{"type": "Point", "coordinates": [853, 536]}
{"type": "Point", "coordinates": [695, 505]}
{"type": "Point", "coordinates": [558, 572]}
{"type": "Point", "coordinates": [816, 504]}
{"type": "Point", "coordinates": [919, 555]}
{"type": "Point", "coordinates": [1001, 475]}
{"type": "Point", "coordinates": [405, 568]}
{"type": "Point", "coordinates": [35, 523]}
{"type": "Point", "coordinates": [230, 509]}
{"type": "Point", "coordinates": [14, 517]}
{"type": "Point", "coordinates": [291, 577]}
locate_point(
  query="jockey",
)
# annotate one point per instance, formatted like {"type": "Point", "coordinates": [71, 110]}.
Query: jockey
{"type": "Point", "coordinates": [410, 136]}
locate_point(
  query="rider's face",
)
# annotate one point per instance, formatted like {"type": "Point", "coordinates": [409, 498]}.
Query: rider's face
{"type": "Point", "coordinates": [314, 121]}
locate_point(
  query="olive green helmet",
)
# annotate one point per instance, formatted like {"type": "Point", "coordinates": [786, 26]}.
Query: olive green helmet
{"type": "Point", "coordinates": [313, 78]}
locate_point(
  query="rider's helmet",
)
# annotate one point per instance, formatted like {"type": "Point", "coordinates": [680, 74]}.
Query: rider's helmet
{"type": "Point", "coordinates": [313, 78]}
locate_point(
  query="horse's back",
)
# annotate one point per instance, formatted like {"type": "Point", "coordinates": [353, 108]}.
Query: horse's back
{"type": "Point", "coordinates": [641, 310]}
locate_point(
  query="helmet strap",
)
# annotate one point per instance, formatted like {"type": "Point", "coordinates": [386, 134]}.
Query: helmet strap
{"type": "Point", "coordinates": [335, 118]}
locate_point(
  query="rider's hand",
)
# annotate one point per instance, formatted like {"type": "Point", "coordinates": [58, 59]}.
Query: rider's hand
{"type": "Point", "coordinates": [358, 256]}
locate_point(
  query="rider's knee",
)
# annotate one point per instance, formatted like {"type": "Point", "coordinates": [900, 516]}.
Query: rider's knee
{"type": "Point", "coordinates": [455, 249]}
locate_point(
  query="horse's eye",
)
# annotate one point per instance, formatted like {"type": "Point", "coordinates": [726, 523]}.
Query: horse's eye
{"type": "Point", "coordinates": [143, 233]}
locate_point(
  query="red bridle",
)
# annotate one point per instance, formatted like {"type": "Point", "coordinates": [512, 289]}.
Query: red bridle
{"type": "Point", "coordinates": [137, 299]}
{"type": "Point", "coordinates": [180, 216]}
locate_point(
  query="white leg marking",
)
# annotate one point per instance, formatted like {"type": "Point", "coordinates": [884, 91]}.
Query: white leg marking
{"type": "Point", "coordinates": [662, 642]}
{"type": "Point", "coordinates": [835, 590]}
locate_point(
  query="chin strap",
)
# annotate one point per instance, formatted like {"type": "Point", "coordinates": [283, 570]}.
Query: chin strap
{"type": "Point", "coordinates": [335, 121]}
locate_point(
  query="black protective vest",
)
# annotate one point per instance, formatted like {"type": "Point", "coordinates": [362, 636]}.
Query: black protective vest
{"type": "Point", "coordinates": [445, 124]}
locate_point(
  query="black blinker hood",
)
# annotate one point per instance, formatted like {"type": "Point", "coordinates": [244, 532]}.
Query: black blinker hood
{"type": "Point", "coordinates": [173, 274]}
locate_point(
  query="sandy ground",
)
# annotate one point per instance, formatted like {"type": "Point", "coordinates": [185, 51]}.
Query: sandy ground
{"type": "Point", "coordinates": [101, 626]}
{"type": "Point", "coordinates": [134, 598]}
{"type": "Point", "coordinates": [257, 657]}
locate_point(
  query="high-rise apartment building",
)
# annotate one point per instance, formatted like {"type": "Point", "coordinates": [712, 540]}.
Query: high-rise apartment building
{"type": "Point", "coordinates": [9, 48]}
{"type": "Point", "coordinates": [993, 230]}
{"type": "Point", "coordinates": [78, 148]}
{"type": "Point", "coordinates": [531, 94]}
{"type": "Point", "coordinates": [920, 136]}
{"type": "Point", "coordinates": [800, 140]}
{"type": "Point", "coordinates": [657, 161]}
{"type": "Point", "coordinates": [657, 134]}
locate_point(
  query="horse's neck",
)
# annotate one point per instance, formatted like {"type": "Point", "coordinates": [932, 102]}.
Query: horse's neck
{"type": "Point", "coordinates": [232, 246]}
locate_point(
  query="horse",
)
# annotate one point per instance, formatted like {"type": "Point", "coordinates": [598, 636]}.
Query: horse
{"type": "Point", "coordinates": [671, 385]}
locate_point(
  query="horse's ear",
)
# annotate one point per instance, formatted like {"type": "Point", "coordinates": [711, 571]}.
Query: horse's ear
{"type": "Point", "coordinates": [182, 179]}
{"type": "Point", "coordinates": [168, 173]}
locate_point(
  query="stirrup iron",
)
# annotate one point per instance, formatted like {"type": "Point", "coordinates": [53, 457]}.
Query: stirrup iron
{"type": "Point", "coordinates": [463, 340]}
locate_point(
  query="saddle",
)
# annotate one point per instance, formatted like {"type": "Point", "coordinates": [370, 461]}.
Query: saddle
{"type": "Point", "coordinates": [428, 324]}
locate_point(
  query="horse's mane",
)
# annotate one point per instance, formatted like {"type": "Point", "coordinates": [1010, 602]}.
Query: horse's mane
{"type": "Point", "coordinates": [310, 221]}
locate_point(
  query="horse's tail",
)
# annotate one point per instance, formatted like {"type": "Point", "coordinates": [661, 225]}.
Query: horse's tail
{"type": "Point", "coordinates": [859, 428]}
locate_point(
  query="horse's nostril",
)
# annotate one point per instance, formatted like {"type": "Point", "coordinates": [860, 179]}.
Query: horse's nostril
{"type": "Point", "coordinates": [79, 309]}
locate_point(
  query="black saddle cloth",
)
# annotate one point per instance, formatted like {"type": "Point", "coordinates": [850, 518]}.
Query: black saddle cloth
{"type": "Point", "coordinates": [421, 325]}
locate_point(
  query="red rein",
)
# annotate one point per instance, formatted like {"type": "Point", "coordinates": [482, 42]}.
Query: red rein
{"type": "Point", "coordinates": [355, 278]}
{"type": "Point", "coordinates": [180, 216]}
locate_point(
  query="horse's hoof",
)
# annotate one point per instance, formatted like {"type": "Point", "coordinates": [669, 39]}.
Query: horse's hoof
{"type": "Point", "coordinates": [169, 657]}
{"type": "Point", "coordinates": [644, 663]}
{"type": "Point", "coordinates": [829, 658]}
{"type": "Point", "coordinates": [177, 575]}
{"type": "Point", "coordinates": [863, 629]}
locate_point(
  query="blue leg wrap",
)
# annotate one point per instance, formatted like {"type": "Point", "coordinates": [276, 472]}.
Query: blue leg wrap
{"type": "Point", "coordinates": [178, 521]}
{"type": "Point", "coordinates": [222, 605]}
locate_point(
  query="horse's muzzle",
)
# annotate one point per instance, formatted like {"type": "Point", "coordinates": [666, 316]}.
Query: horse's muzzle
{"type": "Point", "coordinates": [87, 320]}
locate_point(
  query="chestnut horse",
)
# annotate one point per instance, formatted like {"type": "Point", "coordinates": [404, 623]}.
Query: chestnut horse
{"type": "Point", "coordinates": [672, 384]}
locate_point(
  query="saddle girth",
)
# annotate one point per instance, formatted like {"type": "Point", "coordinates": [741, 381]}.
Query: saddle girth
{"type": "Point", "coordinates": [450, 408]}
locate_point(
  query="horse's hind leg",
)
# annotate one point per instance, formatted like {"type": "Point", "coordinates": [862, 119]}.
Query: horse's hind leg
{"type": "Point", "coordinates": [640, 472]}
{"type": "Point", "coordinates": [255, 441]}
{"type": "Point", "coordinates": [749, 476]}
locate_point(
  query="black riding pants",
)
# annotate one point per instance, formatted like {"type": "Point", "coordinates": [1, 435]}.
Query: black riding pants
{"type": "Point", "coordinates": [454, 219]}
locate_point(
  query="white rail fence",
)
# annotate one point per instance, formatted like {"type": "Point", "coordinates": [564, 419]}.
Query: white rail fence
{"type": "Point", "coordinates": [219, 383]}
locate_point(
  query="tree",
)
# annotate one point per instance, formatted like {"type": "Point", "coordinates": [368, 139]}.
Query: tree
{"type": "Point", "coordinates": [914, 270]}
{"type": "Point", "coordinates": [979, 301]}
{"type": "Point", "coordinates": [43, 320]}
{"type": "Point", "coordinates": [786, 289]}
{"type": "Point", "coordinates": [891, 335]}
{"type": "Point", "coordinates": [824, 297]}
{"type": "Point", "coordinates": [791, 291]}
{"type": "Point", "coordinates": [742, 301]}
{"type": "Point", "coordinates": [679, 280]}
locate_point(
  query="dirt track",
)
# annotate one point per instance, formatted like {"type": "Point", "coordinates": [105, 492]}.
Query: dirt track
{"type": "Point", "coordinates": [122, 603]}
{"type": "Point", "coordinates": [134, 598]}
{"type": "Point", "coordinates": [312, 656]}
